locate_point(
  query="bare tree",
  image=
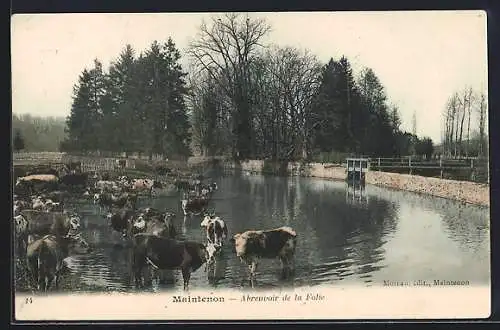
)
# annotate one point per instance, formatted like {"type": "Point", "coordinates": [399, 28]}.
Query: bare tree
{"type": "Point", "coordinates": [414, 123]}
{"type": "Point", "coordinates": [227, 47]}
{"type": "Point", "coordinates": [470, 100]}
{"type": "Point", "coordinates": [450, 123]}
{"type": "Point", "coordinates": [482, 109]}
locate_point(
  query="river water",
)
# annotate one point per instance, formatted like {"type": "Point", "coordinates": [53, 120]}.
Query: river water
{"type": "Point", "coordinates": [345, 236]}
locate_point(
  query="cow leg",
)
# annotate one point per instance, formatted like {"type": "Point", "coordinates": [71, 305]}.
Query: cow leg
{"type": "Point", "coordinates": [148, 280]}
{"type": "Point", "coordinates": [184, 227]}
{"type": "Point", "coordinates": [284, 266]}
{"type": "Point", "coordinates": [161, 277]}
{"type": "Point", "coordinates": [138, 277]}
{"type": "Point", "coordinates": [50, 279]}
{"type": "Point", "coordinates": [41, 280]}
{"type": "Point", "coordinates": [291, 264]}
{"type": "Point", "coordinates": [186, 275]}
{"type": "Point", "coordinates": [252, 267]}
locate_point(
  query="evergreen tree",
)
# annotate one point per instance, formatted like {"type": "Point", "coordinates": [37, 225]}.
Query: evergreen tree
{"type": "Point", "coordinates": [18, 141]}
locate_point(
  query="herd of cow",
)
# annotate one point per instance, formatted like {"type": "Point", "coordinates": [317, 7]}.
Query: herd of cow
{"type": "Point", "coordinates": [47, 232]}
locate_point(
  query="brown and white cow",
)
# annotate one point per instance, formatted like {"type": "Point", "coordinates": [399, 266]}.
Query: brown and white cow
{"type": "Point", "coordinates": [45, 257]}
{"type": "Point", "coordinates": [109, 200]}
{"type": "Point", "coordinates": [43, 204]}
{"type": "Point", "coordinates": [37, 182]}
{"type": "Point", "coordinates": [20, 205]}
{"type": "Point", "coordinates": [61, 224]}
{"type": "Point", "coordinates": [147, 185]}
{"type": "Point", "coordinates": [163, 253]}
{"type": "Point", "coordinates": [196, 205]}
{"type": "Point", "coordinates": [106, 186]}
{"type": "Point", "coordinates": [215, 228]}
{"type": "Point", "coordinates": [253, 245]}
{"type": "Point", "coordinates": [154, 222]}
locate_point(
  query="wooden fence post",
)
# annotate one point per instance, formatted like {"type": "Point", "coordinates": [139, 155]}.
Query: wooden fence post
{"type": "Point", "coordinates": [472, 174]}
{"type": "Point", "coordinates": [409, 164]}
{"type": "Point", "coordinates": [378, 164]}
{"type": "Point", "coordinates": [441, 167]}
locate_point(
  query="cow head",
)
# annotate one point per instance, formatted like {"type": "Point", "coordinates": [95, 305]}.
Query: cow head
{"type": "Point", "coordinates": [240, 244]}
{"type": "Point", "coordinates": [211, 252]}
{"type": "Point", "coordinates": [97, 198]}
{"type": "Point", "coordinates": [169, 217]}
{"type": "Point", "coordinates": [79, 245]}
{"type": "Point", "coordinates": [74, 222]}
{"type": "Point", "coordinates": [109, 216]}
{"type": "Point", "coordinates": [18, 181]}
{"type": "Point", "coordinates": [53, 206]}
{"type": "Point", "coordinates": [139, 224]}
{"type": "Point", "coordinates": [21, 224]}
{"type": "Point", "coordinates": [207, 219]}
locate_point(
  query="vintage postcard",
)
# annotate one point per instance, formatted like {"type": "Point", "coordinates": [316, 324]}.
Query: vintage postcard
{"type": "Point", "coordinates": [250, 166]}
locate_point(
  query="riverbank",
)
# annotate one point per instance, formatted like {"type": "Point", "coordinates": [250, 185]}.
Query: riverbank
{"type": "Point", "coordinates": [464, 191]}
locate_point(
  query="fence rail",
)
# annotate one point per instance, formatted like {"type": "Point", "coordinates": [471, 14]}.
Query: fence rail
{"type": "Point", "coordinates": [87, 163]}
{"type": "Point", "coordinates": [477, 168]}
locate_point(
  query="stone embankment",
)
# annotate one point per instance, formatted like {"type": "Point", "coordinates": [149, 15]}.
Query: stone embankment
{"type": "Point", "coordinates": [464, 191]}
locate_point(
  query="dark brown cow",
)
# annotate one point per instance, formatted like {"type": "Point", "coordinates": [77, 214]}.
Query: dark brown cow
{"type": "Point", "coordinates": [163, 253]}
{"type": "Point", "coordinates": [154, 222]}
{"type": "Point", "coordinates": [109, 200]}
{"type": "Point", "coordinates": [194, 205]}
{"type": "Point", "coordinates": [74, 180]}
{"type": "Point", "coordinates": [45, 258]}
{"type": "Point", "coordinates": [39, 223]}
{"type": "Point", "coordinates": [56, 196]}
{"type": "Point", "coordinates": [182, 184]}
{"type": "Point", "coordinates": [121, 220]}
{"type": "Point", "coordinates": [280, 243]}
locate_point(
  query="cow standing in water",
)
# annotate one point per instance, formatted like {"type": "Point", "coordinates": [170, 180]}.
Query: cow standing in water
{"type": "Point", "coordinates": [163, 253]}
{"type": "Point", "coordinates": [279, 243]}
{"type": "Point", "coordinates": [121, 221]}
{"type": "Point", "coordinates": [39, 223]}
{"type": "Point", "coordinates": [45, 258]}
{"type": "Point", "coordinates": [146, 185]}
{"type": "Point", "coordinates": [37, 183]}
{"type": "Point", "coordinates": [194, 206]}
{"type": "Point", "coordinates": [216, 230]}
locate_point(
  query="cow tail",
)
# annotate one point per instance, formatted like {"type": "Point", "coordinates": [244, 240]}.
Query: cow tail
{"type": "Point", "coordinates": [41, 273]}
{"type": "Point", "coordinates": [152, 263]}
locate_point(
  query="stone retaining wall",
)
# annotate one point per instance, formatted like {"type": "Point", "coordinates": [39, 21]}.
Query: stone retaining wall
{"type": "Point", "coordinates": [464, 191]}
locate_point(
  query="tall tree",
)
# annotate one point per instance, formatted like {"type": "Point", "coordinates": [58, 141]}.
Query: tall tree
{"type": "Point", "coordinates": [18, 141]}
{"type": "Point", "coordinates": [378, 138]}
{"type": "Point", "coordinates": [119, 120]}
{"type": "Point", "coordinates": [80, 122]}
{"type": "Point", "coordinates": [338, 108]}
{"type": "Point", "coordinates": [227, 46]}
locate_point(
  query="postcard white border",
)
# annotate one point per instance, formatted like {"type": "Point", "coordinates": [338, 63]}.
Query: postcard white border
{"type": "Point", "coordinates": [337, 303]}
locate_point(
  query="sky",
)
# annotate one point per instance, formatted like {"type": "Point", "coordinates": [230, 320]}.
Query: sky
{"type": "Point", "coordinates": [421, 58]}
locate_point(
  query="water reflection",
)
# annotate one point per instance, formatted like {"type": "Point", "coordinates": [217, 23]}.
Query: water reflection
{"type": "Point", "coordinates": [345, 234]}
{"type": "Point", "coordinates": [356, 195]}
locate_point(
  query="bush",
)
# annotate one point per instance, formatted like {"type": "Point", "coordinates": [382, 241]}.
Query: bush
{"type": "Point", "coordinates": [333, 157]}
